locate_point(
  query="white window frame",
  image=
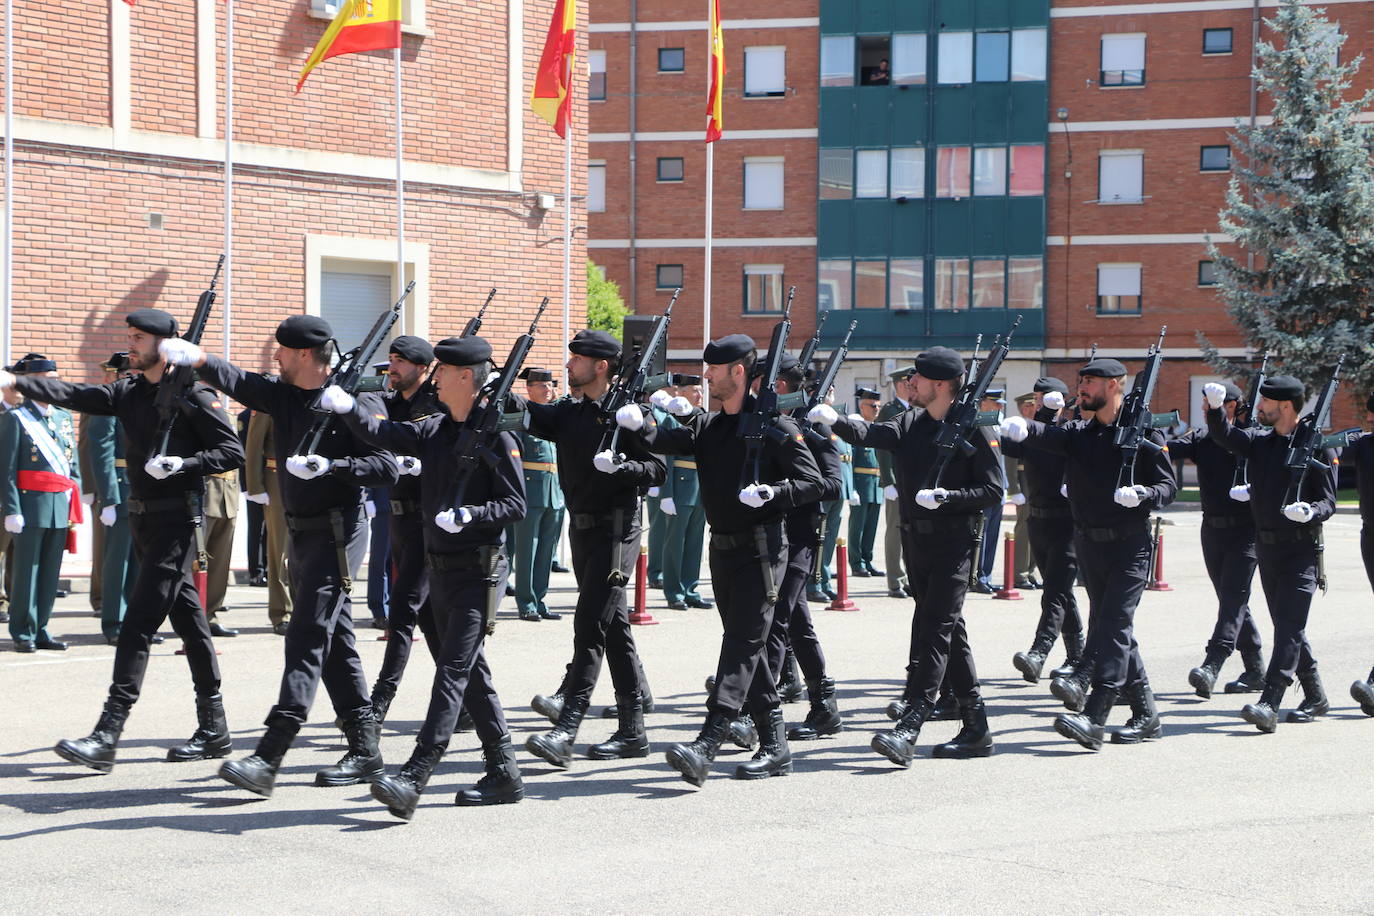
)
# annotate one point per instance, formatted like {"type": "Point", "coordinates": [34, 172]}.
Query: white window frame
{"type": "Point", "coordinates": [880, 173]}
{"type": "Point", "coordinates": [850, 71]}
{"type": "Point", "coordinates": [593, 166]}
{"type": "Point", "coordinates": [918, 40]}
{"type": "Point", "coordinates": [772, 61]}
{"type": "Point", "coordinates": [763, 270]}
{"type": "Point", "coordinates": [920, 172]}
{"type": "Point", "coordinates": [1033, 43]}
{"type": "Point", "coordinates": [975, 172]}
{"type": "Point", "coordinates": [596, 63]}
{"type": "Point", "coordinates": [382, 254]}
{"type": "Point", "coordinates": [1118, 155]}
{"type": "Point", "coordinates": [950, 70]}
{"type": "Point", "coordinates": [760, 166]}
{"type": "Point", "coordinates": [1116, 281]}
{"type": "Point", "coordinates": [1124, 59]}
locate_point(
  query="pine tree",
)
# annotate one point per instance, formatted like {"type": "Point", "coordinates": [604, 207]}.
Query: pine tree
{"type": "Point", "coordinates": [1301, 207]}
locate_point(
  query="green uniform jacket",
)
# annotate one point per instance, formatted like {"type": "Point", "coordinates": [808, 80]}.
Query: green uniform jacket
{"type": "Point", "coordinates": [893, 408]}
{"type": "Point", "coordinates": [868, 486]}
{"type": "Point", "coordinates": [846, 466]}
{"type": "Point", "coordinates": [541, 486]}
{"type": "Point", "coordinates": [109, 475]}
{"type": "Point", "coordinates": [19, 453]}
{"type": "Point", "coordinates": [681, 485]}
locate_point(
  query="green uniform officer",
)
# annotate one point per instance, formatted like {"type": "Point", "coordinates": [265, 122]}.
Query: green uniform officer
{"type": "Point", "coordinates": [868, 488]}
{"type": "Point", "coordinates": [834, 511]}
{"type": "Point", "coordinates": [110, 486]}
{"type": "Point", "coordinates": [680, 502]}
{"type": "Point", "coordinates": [658, 522]}
{"type": "Point", "coordinates": [892, 536]}
{"type": "Point", "coordinates": [536, 535]}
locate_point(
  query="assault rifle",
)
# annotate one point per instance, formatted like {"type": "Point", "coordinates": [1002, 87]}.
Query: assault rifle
{"type": "Point", "coordinates": [1134, 422]}
{"type": "Point", "coordinates": [475, 322]}
{"type": "Point", "coordinates": [177, 381]}
{"type": "Point", "coordinates": [963, 414]}
{"type": "Point", "coordinates": [630, 386]}
{"type": "Point", "coordinates": [761, 421]}
{"type": "Point", "coordinates": [1307, 441]}
{"type": "Point", "coordinates": [799, 403]}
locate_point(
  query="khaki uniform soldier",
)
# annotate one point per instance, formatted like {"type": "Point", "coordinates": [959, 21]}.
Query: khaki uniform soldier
{"type": "Point", "coordinates": [221, 514]}
{"type": "Point", "coordinates": [264, 488]}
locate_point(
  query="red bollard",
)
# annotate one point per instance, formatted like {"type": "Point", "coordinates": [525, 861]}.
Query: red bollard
{"type": "Point", "coordinates": [1008, 590]}
{"type": "Point", "coordinates": [1158, 584]}
{"type": "Point", "coordinates": [640, 616]}
{"type": "Point", "coordinates": [842, 602]}
{"type": "Point", "coordinates": [202, 580]}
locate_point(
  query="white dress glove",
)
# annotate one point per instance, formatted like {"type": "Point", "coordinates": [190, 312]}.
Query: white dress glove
{"type": "Point", "coordinates": [931, 499]}
{"type": "Point", "coordinates": [108, 516]}
{"type": "Point", "coordinates": [1214, 393]}
{"type": "Point", "coordinates": [667, 506]}
{"type": "Point", "coordinates": [653, 492]}
{"type": "Point", "coordinates": [660, 399]}
{"type": "Point", "coordinates": [1064, 490]}
{"type": "Point", "coordinates": [1014, 428]}
{"type": "Point", "coordinates": [14, 524]}
{"type": "Point", "coordinates": [1018, 499]}
{"type": "Point", "coordinates": [308, 467]}
{"type": "Point", "coordinates": [679, 406]}
{"type": "Point", "coordinates": [448, 520]}
{"type": "Point", "coordinates": [823, 414]}
{"type": "Point", "coordinates": [756, 494]}
{"type": "Point", "coordinates": [261, 499]}
{"type": "Point", "coordinates": [1298, 512]}
{"type": "Point", "coordinates": [630, 417]}
{"type": "Point", "coordinates": [336, 399]}
{"type": "Point", "coordinates": [160, 467]}
{"type": "Point", "coordinates": [607, 462]}
{"type": "Point", "coordinates": [889, 492]}
{"type": "Point", "coordinates": [370, 508]}
{"type": "Point", "coordinates": [1054, 400]}
{"type": "Point", "coordinates": [1130, 497]}
{"type": "Point", "coordinates": [1241, 494]}
{"type": "Point", "coordinates": [854, 499]}
{"type": "Point", "coordinates": [180, 352]}
{"type": "Point", "coordinates": [408, 464]}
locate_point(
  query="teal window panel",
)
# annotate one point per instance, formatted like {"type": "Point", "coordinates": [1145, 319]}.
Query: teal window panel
{"type": "Point", "coordinates": [834, 229]}
{"type": "Point", "coordinates": [838, 17]}
{"type": "Point", "coordinates": [873, 18]}
{"type": "Point", "coordinates": [1028, 114]}
{"type": "Point", "coordinates": [989, 223]}
{"type": "Point", "coordinates": [873, 116]}
{"type": "Point", "coordinates": [955, 14]}
{"type": "Point", "coordinates": [909, 111]}
{"type": "Point", "coordinates": [911, 15]}
{"type": "Point", "coordinates": [837, 116]}
{"type": "Point", "coordinates": [992, 14]}
{"type": "Point", "coordinates": [990, 115]}
{"type": "Point", "coordinates": [1029, 13]}
{"type": "Point", "coordinates": [909, 229]}
{"type": "Point", "coordinates": [872, 227]}
{"type": "Point", "coordinates": [954, 115]}
{"type": "Point", "coordinates": [951, 228]}
{"type": "Point", "coordinates": [1025, 219]}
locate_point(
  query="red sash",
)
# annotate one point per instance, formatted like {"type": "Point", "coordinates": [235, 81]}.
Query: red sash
{"type": "Point", "coordinates": [49, 482]}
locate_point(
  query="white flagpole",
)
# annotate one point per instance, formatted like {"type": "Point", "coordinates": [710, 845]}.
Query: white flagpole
{"type": "Point", "coordinates": [228, 177]}
{"type": "Point", "coordinates": [400, 184]}
{"type": "Point", "coordinates": [706, 278]}
{"type": "Point", "coordinates": [9, 183]}
{"type": "Point", "coordinates": [567, 234]}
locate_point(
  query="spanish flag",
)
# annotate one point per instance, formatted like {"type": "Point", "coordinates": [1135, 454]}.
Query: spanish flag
{"type": "Point", "coordinates": [715, 108]}
{"type": "Point", "coordinates": [360, 25]}
{"type": "Point", "coordinates": [552, 95]}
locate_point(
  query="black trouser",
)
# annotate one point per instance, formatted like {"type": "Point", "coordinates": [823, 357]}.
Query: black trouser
{"type": "Point", "coordinates": [1367, 550]}
{"type": "Point", "coordinates": [1051, 542]}
{"type": "Point", "coordinates": [257, 540]}
{"type": "Point", "coordinates": [461, 675]}
{"type": "Point", "coordinates": [938, 562]}
{"type": "Point", "coordinates": [601, 621]}
{"type": "Point", "coordinates": [1115, 573]}
{"type": "Point", "coordinates": [743, 674]}
{"type": "Point", "coordinates": [164, 543]}
{"type": "Point", "coordinates": [792, 616]}
{"type": "Point", "coordinates": [409, 601]}
{"type": "Point", "coordinates": [1288, 573]}
{"type": "Point", "coordinates": [1229, 553]}
{"type": "Point", "coordinates": [319, 638]}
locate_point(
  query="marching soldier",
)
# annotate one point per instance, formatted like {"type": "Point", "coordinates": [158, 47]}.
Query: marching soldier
{"type": "Point", "coordinates": [892, 531]}
{"type": "Point", "coordinates": [681, 502]}
{"type": "Point", "coordinates": [264, 488]}
{"type": "Point", "coordinates": [109, 476]}
{"type": "Point", "coordinates": [328, 535]}
{"type": "Point", "coordinates": [1360, 455]}
{"type": "Point", "coordinates": [164, 509]}
{"type": "Point", "coordinates": [863, 515]}
{"type": "Point", "coordinates": [1228, 550]}
{"type": "Point", "coordinates": [536, 535]}
{"type": "Point", "coordinates": [1287, 541]}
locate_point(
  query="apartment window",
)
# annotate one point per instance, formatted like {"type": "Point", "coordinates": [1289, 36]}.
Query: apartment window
{"type": "Point", "coordinates": [834, 284]}
{"type": "Point", "coordinates": [989, 283]}
{"type": "Point", "coordinates": [1120, 177]}
{"type": "Point", "coordinates": [1216, 41]}
{"type": "Point", "coordinates": [765, 72]}
{"type": "Point", "coordinates": [1215, 159]}
{"type": "Point", "coordinates": [1118, 289]}
{"type": "Point", "coordinates": [671, 60]}
{"type": "Point", "coordinates": [412, 11]}
{"type": "Point", "coordinates": [837, 174]}
{"type": "Point", "coordinates": [763, 183]}
{"type": "Point", "coordinates": [763, 287]}
{"type": "Point", "coordinates": [870, 284]}
{"type": "Point", "coordinates": [954, 58]}
{"type": "Point", "coordinates": [908, 59]}
{"type": "Point", "coordinates": [596, 187]}
{"type": "Point", "coordinates": [1025, 283]}
{"type": "Point", "coordinates": [837, 60]}
{"type": "Point", "coordinates": [1328, 37]}
{"type": "Point", "coordinates": [596, 80]}
{"type": "Point", "coordinates": [1028, 54]}
{"type": "Point", "coordinates": [906, 281]}
{"type": "Point", "coordinates": [993, 50]}
{"type": "Point", "coordinates": [670, 168]}
{"type": "Point", "coordinates": [1206, 273]}
{"type": "Point", "coordinates": [1123, 60]}
{"type": "Point", "coordinates": [668, 276]}
{"type": "Point", "coordinates": [908, 173]}
{"type": "Point", "coordinates": [990, 171]}
{"type": "Point", "coordinates": [351, 294]}
{"type": "Point", "coordinates": [952, 171]}
{"type": "Point", "coordinates": [951, 284]}
{"type": "Point", "coordinates": [870, 173]}
{"type": "Point", "coordinates": [1027, 170]}
{"type": "Point", "coordinates": [875, 60]}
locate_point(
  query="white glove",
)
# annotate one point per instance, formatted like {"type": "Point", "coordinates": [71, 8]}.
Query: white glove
{"type": "Point", "coordinates": [931, 499]}
{"type": "Point", "coordinates": [756, 494]}
{"type": "Point", "coordinates": [88, 498]}
{"type": "Point", "coordinates": [822, 413]}
{"type": "Point", "coordinates": [1064, 490]}
{"type": "Point", "coordinates": [660, 399]}
{"type": "Point", "coordinates": [180, 352]}
{"type": "Point", "coordinates": [1214, 393]}
{"type": "Point", "coordinates": [160, 467]}
{"type": "Point", "coordinates": [889, 492]}
{"type": "Point", "coordinates": [14, 524]}
{"type": "Point", "coordinates": [370, 508]}
{"type": "Point", "coordinates": [653, 492]}
{"type": "Point", "coordinates": [448, 520]}
{"type": "Point", "coordinates": [1241, 494]}
{"type": "Point", "coordinates": [261, 499]}
{"type": "Point", "coordinates": [1054, 400]}
{"type": "Point", "coordinates": [336, 399]}
{"type": "Point", "coordinates": [679, 406]}
{"type": "Point", "coordinates": [1014, 428]}
{"type": "Point", "coordinates": [667, 506]}
{"type": "Point", "coordinates": [1295, 512]}
{"type": "Point", "coordinates": [606, 462]}
{"type": "Point", "coordinates": [301, 466]}
{"type": "Point", "coordinates": [854, 499]}
{"type": "Point", "coordinates": [1130, 497]}
{"type": "Point", "coordinates": [108, 516]}
{"type": "Point", "coordinates": [630, 417]}
{"type": "Point", "coordinates": [1018, 499]}
{"type": "Point", "coordinates": [6, 379]}
{"type": "Point", "coordinates": [408, 464]}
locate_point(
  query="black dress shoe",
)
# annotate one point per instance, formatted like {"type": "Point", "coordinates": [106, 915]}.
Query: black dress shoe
{"type": "Point", "coordinates": [859, 573]}
{"type": "Point", "coordinates": [510, 591]}
{"type": "Point", "coordinates": [379, 623]}
{"type": "Point", "coordinates": [157, 639]}
{"type": "Point", "coordinates": [222, 632]}
{"type": "Point", "coordinates": [52, 645]}
{"type": "Point", "coordinates": [280, 628]}
{"type": "Point", "coordinates": [874, 571]}
{"type": "Point", "coordinates": [546, 614]}
{"type": "Point", "coordinates": [677, 605]}
{"type": "Point", "coordinates": [656, 583]}
{"type": "Point", "coordinates": [816, 596]}
{"type": "Point", "coordinates": [111, 640]}
{"type": "Point", "coordinates": [558, 567]}
{"type": "Point", "coordinates": [897, 593]}
{"type": "Point", "coordinates": [982, 588]}
{"type": "Point", "coordinates": [829, 592]}
{"type": "Point", "coordinates": [23, 645]}
{"type": "Point", "coordinates": [700, 602]}
{"type": "Point", "coordinates": [258, 581]}
{"type": "Point", "coordinates": [529, 613]}
{"type": "Point", "coordinates": [1027, 583]}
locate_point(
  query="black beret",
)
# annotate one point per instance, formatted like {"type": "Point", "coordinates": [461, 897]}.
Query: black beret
{"type": "Point", "coordinates": [867, 394]}
{"type": "Point", "coordinates": [939, 364]}
{"type": "Point", "coordinates": [1369, 404]}
{"type": "Point", "coordinates": [684, 380]}
{"type": "Point", "coordinates": [304, 332]}
{"type": "Point", "coordinates": [728, 349]}
{"type": "Point", "coordinates": [1282, 388]}
{"type": "Point", "coordinates": [899, 374]}
{"type": "Point", "coordinates": [1049, 383]}
{"type": "Point", "coordinates": [598, 344]}
{"type": "Point", "coordinates": [153, 321]}
{"type": "Point", "coordinates": [1103, 367]}
{"type": "Point", "coordinates": [1233, 392]}
{"type": "Point", "coordinates": [462, 351]}
{"type": "Point", "coordinates": [33, 362]}
{"type": "Point", "coordinates": [119, 361]}
{"type": "Point", "coordinates": [412, 349]}
{"type": "Point", "coordinates": [537, 375]}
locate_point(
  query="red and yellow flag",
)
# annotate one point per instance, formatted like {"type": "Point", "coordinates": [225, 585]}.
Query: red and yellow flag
{"type": "Point", "coordinates": [715, 106]}
{"type": "Point", "coordinates": [551, 98]}
{"type": "Point", "coordinates": [360, 25]}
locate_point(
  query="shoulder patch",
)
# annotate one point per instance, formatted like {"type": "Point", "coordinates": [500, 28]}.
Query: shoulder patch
{"type": "Point", "coordinates": [797, 437]}
{"type": "Point", "coordinates": [217, 403]}
{"type": "Point", "coordinates": [515, 453]}
{"type": "Point", "coordinates": [379, 416]}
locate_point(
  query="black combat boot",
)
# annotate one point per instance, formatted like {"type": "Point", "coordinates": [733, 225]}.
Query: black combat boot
{"type": "Point", "coordinates": [1264, 712]}
{"type": "Point", "coordinates": [774, 757]}
{"type": "Point", "coordinates": [1144, 724]}
{"type": "Point", "coordinates": [211, 738]}
{"type": "Point", "coordinates": [710, 682]}
{"type": "Point", "coordinates": [742, 732]}
{"type": "Point", "coordinates": [1314, 702]}
{"type": "Point", "coordinates": [1031, 663]}
{"type": "Point", "coordinates": [464, 723]}
{"type": "Point", "coordinates": [790, 683]}
{"type": "Point", "coordinates": [550, 707]}
{"type": "Point", "coordinates": [898, 707]}
{"type": "Point", "coordinates": [693, 760]}
{"type": "Point", "coordinates": [611, 712]}
{"type": "Point", "coordinates": [1073, 654]}
{"type": "Point", "coordinates": [1204, 677]}
{"type": "Point", "coordinates": [97, 750]}
{"type": "Point", "coordinates": [1362, 692]}
{"type": "Point", "coordinates": [1072, 689]}
{"type": "Point", "coordinates": [1251, 680]}
{"type": "Point", "coordinates": [363, 762]}
{"type": "Point", "coordinates": [946, 707]}
{"type": "Point", "coordinates": [899, 743]}
{"type": "Point", "coordinates": [973, 740]}
{"type": "Point", "coordinates": [1089, 726]}
{"type": "Point", "coordinates": [629, 739]}
{"type": "Point", "coordinates": [501, 785]}
{"type": "Point", "coordinates": [401, 793]}
{"type": "Point", "coordinates": [258, 771]}
{"type": "Point", "coordinates": [556, 745]}
{"type": "Point", "coordinates": [382, 695]}
{"type": "Point", "coordinates": [824, 716]}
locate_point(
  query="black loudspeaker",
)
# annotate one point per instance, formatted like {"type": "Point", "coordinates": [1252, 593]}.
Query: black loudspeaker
{"type": "Point", "coordinates": [638, 330]}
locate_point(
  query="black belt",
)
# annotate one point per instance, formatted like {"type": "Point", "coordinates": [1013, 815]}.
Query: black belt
{"type": "Point", "coordinates": [333, 522]}
{"type": "Point", "coordinates": [405, 506]}
{"type": "Point", "coordinates": [149, 506]}
{"type": "Point", "coordinates": [584, 520]}
{"type": "Point", "coordinates": [744, 539]}
{"type": "Point", "coordinates": [955, 524]}
{"type": "Point", "coordinates": [1306, 535]}
{"type": "Point", "coordinates": [1051, 512]}
{"type": "Point", "coordinates": [1227, 521]}
{"type": "Point", "coordinates": [455, 562]}
{"type": "Point", "coordinates": [1115, 533]}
